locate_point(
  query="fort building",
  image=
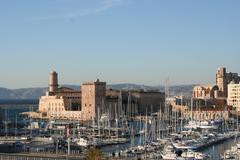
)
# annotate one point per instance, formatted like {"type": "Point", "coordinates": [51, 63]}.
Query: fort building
{"type": "Point", "coordinates": [94, 100]}
{"type": "Point", "coordinates": [93, 97]}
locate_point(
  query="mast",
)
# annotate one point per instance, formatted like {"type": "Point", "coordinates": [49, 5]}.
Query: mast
{"type": "Point", "coordinates": [98, 123]}
{"type": "Point", "coordinates": [181, 112]}
{"type": "Point", "coordinates": [166, 107]}
{"type": "Point", "coordinates": [30, 123]}
{"type": "Point", "coordinates": [16, 126]}
{"type": "Point", "coordinates": [93, 130]}
{"type": "Point", "coordinates": [120, 109]}
{"type": "Point", "coordinates": [191, 113]}
{"type": "Point", "coordinates": [116, 119]}
{"type": "Point", "coordinates": [140, 129]}
{"type": "Point", "coordinates": [146, 127]}
{"type": "Point", "coordinates": [109, 125]}
{"type": "Point", "coordinates": [160, 121]}
{"type": "Point", "coordinates": [176, 119]}
{"type": "Point", "coordinates": [6, 121]}
{"type": "Point", "coordinates": [191, 109]}
{"type": "Point", "coordinates": [129, 107]}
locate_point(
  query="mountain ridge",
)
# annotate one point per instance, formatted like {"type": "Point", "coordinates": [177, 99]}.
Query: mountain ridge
{"type": "Point", "coordinates": [35, 93]}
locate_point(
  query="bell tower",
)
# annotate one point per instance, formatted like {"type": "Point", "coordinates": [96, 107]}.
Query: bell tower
{"type": "Point", "coordinates": [221, 81]}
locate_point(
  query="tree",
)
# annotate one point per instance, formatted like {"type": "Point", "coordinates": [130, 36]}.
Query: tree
{"type": "Point", "coordinates": [94, 154]}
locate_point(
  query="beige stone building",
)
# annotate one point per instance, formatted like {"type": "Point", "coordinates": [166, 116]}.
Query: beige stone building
{"type": "Point", "coordinates": [93, 100]}
{"type": "Point", "coordinates": [223, 79]}
{"type": "Point", "coordinates": [234, 95]}
{"type": "Point", "coordinates": [219, 90]}
{"type": "Point", "coordinates": [202, 109]}
{"type": "Point", "coordinates": [60, 102]}
{"type": "Point", "coordinates": [207, 91]}
{"type": "Point", "coordinates": [54, 107]}
{"type": "Point", "coordinates": [207, 114]}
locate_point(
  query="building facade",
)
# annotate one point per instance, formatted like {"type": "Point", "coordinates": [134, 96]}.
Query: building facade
{"type": "Point", "coordinates": [94, 100]}
{"type": "Point", "coordinates": [220, 89]}
{"type": "Point", "coordinates": [223, 79]}
{"type": "Point", "coordinates": [209, 91]}
{"type": "Point", "coordinates": [234, 95]}
{"type": "Point", "coordinates": [207, 114]}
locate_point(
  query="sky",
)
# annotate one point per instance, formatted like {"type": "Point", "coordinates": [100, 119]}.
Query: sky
{"type": "Point", "coordinates": [117, 41]}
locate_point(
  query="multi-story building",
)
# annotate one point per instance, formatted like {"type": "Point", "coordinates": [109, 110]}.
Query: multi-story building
{"type": "Point", "coordinates": [234, 95]}
{"type": "Point", "coordinates": [60, 102]}
{"type": "Point", "coordinates": [93, 98]}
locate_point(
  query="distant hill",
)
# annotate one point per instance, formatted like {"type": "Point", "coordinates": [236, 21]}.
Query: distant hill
{"type": "Point", "coordinates": [24, 93]}
{"type": "Point", "coordinates": [185, 90]}
{"type": "Point", "coordinates": [35, 93]}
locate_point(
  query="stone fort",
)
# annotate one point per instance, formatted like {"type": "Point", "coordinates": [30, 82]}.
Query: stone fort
{"type": "Point", "coordinates": [93, 99]}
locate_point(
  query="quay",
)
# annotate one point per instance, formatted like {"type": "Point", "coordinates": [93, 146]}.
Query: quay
{"type": "Point", "coordinates": [37, 156]}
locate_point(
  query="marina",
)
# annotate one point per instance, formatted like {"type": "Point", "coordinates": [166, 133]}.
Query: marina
{"type": "Point", "coordinates": [144, 144]}
{"type": "Point", "coordinates": [121, 124]}
{"type": "Point", "coordinates": [119, 80]}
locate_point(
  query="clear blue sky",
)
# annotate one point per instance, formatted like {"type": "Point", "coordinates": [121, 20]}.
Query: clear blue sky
{"type": "Point", "coordinates": [137, 41]}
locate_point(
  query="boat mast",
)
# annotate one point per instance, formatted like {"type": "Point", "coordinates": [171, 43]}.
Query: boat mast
{"type": "Point", "coordinates": [98, 123]}
{"type": "Point", "coordinates": [116, 119]}
{"type": "Point", "coordinates": [16, 126]}
{"type": "Point", "coordinates": [6, 121]}
{"type": "Point", "coordinates": [181, 113]}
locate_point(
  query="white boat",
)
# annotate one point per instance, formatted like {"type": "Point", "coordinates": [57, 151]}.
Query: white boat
{"type": "Point", "coordinates": [183, 146]}
{"type": "Point", "coordinates": [194, 155]}
{"type": "Point", "coordinates": [168, 153]}
{"type": "Point", "coordinates": [201, 125]}
{"type": "Point", "coordinates": [238, 145]}
{"type": "Point", "coordinates": [169, 156]}
{"type": "Point", "coordinates": [82, 142]}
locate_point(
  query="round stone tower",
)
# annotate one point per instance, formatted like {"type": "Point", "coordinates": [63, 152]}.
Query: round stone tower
{"type": "Point", "coordinates": [53, 81]}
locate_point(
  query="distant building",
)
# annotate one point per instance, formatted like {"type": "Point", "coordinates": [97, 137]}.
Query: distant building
{"type": "Point", "coordinates": [208, 113]}
{"type": "Point", "coordinates": [134, 102]}
{"type": "Point", "coordinates": [60, 102]}
{"type": "Point", "coordinates": [234, 95]}
{"type": "Point", "coordinates": [207, 109]}
{"type": "Point", "coordinates": [93, 100]}
{"type": "Point", "coordinates": [208, 91]}
{"type": "Point", "coordinates": [219, 90]}
{"type": "Point", "coordinates": [223, 79]}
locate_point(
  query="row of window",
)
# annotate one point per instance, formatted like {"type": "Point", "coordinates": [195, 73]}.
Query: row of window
{"type": "Point", "coordinates": [55, 104]}
{"type": "Point", "coordinates": [55, 109]}
{"type": "Point", "coordinates": [73, 97]}
{"type": "Point", "coordinates": [87, 105]}
{"type": "Point", "coordinates": [234, 97]}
